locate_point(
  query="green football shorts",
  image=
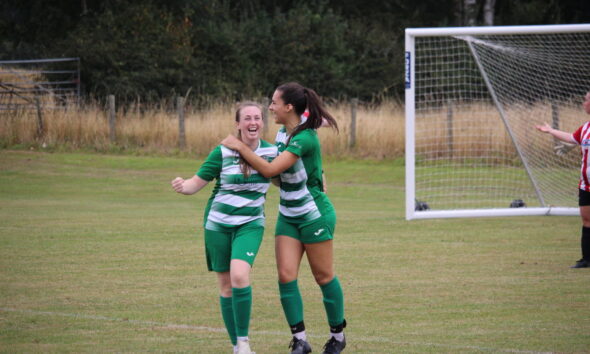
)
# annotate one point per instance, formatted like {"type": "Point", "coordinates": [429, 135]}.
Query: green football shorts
{"type": "Point", "coordinates": [227, 243]}
{"type": "Point", "coordinates": [318, 230]}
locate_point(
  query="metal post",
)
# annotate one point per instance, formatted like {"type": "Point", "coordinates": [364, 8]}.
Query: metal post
{"type": "Point", "coordinates": [181, 131]}
{"type": "Point", "coordinates": [112, 135]}
{"type": "Point", "coordinates": [353, 105]}
{"type": "Point", "coordinates": [410, 110]}
{"type": "Point", "coordinates": [78, 83]}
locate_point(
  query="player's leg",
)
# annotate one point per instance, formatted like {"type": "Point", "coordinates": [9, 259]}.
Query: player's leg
{"type": "Point", "coordinates": [319, 248]}
{"type": "Point", "coordinates": [288, 252]}
{"type": "Point", "coordinates": [320, 257]}
{"type": "Point", "coordinates": [584, 262]}
{"type": "Point", "coordinates": [584, 202]}
{"type": "Point", "coordinates": [245, 246]}
{"type": "Point", "coordinates": [226, 304]}
{"type": "Point", "coordinates": [218, 253]}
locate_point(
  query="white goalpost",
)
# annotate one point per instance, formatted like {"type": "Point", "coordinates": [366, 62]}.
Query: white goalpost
{"type": "Point", "coordinates": [472, 98]}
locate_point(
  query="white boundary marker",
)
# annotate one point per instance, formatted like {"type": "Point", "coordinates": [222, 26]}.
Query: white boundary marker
{"type": "Point", "coordinates": [272, 333]}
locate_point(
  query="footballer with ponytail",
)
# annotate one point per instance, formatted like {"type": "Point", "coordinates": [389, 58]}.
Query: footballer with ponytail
{"type": "Point", "coordinates": [303, 99]}
{"type": "Point", "coordinates": [307, 219]}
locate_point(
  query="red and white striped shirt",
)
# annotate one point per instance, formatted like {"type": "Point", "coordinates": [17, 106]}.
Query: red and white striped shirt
{"type": "Point", "coordinates": [582, 137]}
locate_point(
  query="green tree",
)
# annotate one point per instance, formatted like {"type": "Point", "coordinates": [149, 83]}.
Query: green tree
{"type": "Point", "coordinates": [235, 49]}
{"type": "Point", "coordinates": [140, 50]}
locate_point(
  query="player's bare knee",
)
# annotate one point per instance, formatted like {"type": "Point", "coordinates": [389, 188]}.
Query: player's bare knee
{"type": "Point", "coordinates": [322, 278]}
{"type": "Point", "coordinates": [287, 275]}
{"type": "Point", "coordinates": [241, 283]}
{"type": "Point", "coordinates": [225, 289]}
{"type": "Point", "coordinates": [240, 279]}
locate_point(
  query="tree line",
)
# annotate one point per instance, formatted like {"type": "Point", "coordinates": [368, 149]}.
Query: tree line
{"type": "Point", "coordinates": [235, 49]}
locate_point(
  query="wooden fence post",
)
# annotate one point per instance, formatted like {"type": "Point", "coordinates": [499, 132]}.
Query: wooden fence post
{"type": "Point", "coordinates": [353, 105]}
{"type": "Point", "coordinates": [40, 127]}
{"type": "Point", "coordinates": [555, 120]}
{"type": "Point", "coordinates": [112, 111]}
{"type": "Point", "coordinates": [450, 128]}
{"type": "Point", "coordinates": [181, 131]}
{"type": "Point", "coordinates": [554, 115]}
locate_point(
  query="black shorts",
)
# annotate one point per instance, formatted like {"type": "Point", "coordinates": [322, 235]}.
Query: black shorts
{"type": "Point", "coordinates": [583, 198]}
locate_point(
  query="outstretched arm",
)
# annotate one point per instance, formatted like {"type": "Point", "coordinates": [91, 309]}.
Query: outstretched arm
{"type": "Point", "coordinates": [268, 169]}
{"type": "Point", "coordinates": [188, 186]}
{"type": "Point", "coordinates": [558, 134]}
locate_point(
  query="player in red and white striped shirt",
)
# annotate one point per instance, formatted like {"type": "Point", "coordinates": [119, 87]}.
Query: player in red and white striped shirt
{"type": "Point", "coordinates": [582, 138]}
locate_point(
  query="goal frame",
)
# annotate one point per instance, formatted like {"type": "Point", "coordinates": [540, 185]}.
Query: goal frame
{"type": "Point", "coordinates": [410, 110]}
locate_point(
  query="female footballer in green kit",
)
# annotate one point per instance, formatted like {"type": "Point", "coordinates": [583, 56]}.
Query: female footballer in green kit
{"type": "Point", "coordinates": [234, 219]}
{"type": "Point", "coordinates": [307, 219]}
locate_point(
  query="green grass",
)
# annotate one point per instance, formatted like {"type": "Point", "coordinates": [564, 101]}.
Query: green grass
{"type": "Point", "coordinates": [98, 254]}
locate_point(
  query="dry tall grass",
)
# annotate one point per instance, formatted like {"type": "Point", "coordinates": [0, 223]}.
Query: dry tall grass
{"type": "Point", "coordinates": [380, 130]}
{"type": "Point", "coordinates": [476, 130]}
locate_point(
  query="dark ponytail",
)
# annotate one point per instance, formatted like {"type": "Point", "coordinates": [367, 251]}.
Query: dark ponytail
{"type": "Point", "coordinates": [303, 98]}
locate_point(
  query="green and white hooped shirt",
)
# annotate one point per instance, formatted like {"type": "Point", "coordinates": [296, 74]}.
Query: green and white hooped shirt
{"type": "Point", "coordinates": [235, 200]}
{"type": "Point", "coordinates": [302, 198]}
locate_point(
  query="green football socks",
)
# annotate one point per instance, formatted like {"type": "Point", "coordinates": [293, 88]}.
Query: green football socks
{"type": "Point", "coordinates": [227, 312]}
{"type": "Point", "coordinates": [333, 302]}
{"type": "Point", "coordinates": [292, 302]}
{"type": "Point", "coordinates": [242, 304]}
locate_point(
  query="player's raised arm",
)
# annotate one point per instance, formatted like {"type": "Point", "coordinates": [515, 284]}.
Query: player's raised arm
{"type": "Point", "coordinates": [558, 134]}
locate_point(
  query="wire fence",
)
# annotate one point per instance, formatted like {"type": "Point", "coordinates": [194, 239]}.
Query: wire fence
{"type": "Point", "coordinates": [46, 83]}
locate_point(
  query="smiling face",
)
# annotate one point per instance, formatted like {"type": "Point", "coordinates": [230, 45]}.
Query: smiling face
{"type": "Point", "coordinates": [250, 124]}
{"type": "Point", "coordinates": [278, 107]}
{"type": "Point", "coordinates": [586, 103]}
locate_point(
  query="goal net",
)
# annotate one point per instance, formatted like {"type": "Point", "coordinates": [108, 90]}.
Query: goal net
{"type": "Point", "coordinates": [473, 97]}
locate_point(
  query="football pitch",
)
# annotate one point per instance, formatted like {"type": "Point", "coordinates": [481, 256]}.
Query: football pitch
{"type": "Point", "coordinates": [98, 254]}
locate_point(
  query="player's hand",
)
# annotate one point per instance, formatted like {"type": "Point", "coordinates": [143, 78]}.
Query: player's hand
{"type": "Point", "coordinates": [177, 184]}
{"type": "Point", "coordinates": [231, 142]}
{"type": "Point", "coordinates": [545, 128]}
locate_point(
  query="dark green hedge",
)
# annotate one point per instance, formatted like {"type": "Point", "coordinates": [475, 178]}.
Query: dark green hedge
{"type": "Point", "coordinates": [241, 48]}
